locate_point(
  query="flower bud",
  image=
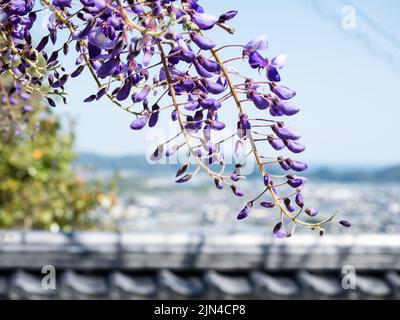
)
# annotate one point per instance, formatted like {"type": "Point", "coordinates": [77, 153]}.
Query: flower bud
{"type": "Point", "coordinates": [259, 101]}
{"type": "Point", "coordinates": [158, 153]}
{"type": "Point", "coordinates": [283, 92]}
{"type": "Point", "coordinates": [202, 42]}
{"type": "Point", "coordinates": [345, 223]}
{"type": "Point", "coordinates": [288, 205]}
{"type": "Point", "coordinates": [288, 108]}
{"type": "Point", "coordinates": [312, 212]}
{"type": "Point", "coordinates": [204, 21]}
{"type": "Point", "coordinates": [268, 204]}
{"type": "Point", "coordinates": [297, 165]}
{"type": "Point", "coordinates": [237, 191]}
{"type": "Point", "coordinates": [219, 184]}
{"type": "Point", "coordinates": [294, 146]}
{"type": "Point", "coordinates": [299, 200]}
{"type": "Point", "coordinates": [267, 179]}
{"type": "Point", "coordinates": [184, 179]}
{"type": "Point", "coordinates": [245, 211]}
{"type": "Point", "coordinates": [227, 16]}
{"type": "Point", "coordinates": [286, 133]}
{"type": "Point", "coordinates": [139, 123]}
{"type": "Point", "coordinates": [277, 144]}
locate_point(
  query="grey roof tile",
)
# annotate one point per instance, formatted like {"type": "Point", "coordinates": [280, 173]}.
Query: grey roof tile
{"type": "Point", "coordinates": [3, 285]}
{"type": "Point", "coordinates": [82, 284]}
{"type": "Point", "coordinates": [393, 278]}
{"type": "Point", "coordinates": [372, 286]}
{"type": "Point", "coordinates": [321, 284]}
{"type": "Point", "coordinates": [229, 284]}
{"type": "Point", "coordinates": [133, 284]}
{"type": "Point", "coordinates": [26, 285]}
{"type": "Point", "coordinates": [276, 285]}
{"type": "Point", "coordinates": [185, 286]}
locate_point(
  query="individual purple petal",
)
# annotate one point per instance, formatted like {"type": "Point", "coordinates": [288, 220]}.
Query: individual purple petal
{"type": "Point", "coordinates": [299, 200]}
{"type": "Point", "coordinates": [273, 74]}
{"type": "Point", "coordinates": [108, 68]}
{"type": "Point", "coordinates": [123, 93]}
{"type": "Point", "coordinates": [158, 153]}
{"type": "Point", "coordinates": [208, 64]}
{"type": "Point", "coordinates": [297, 165]}
{"type": "Point", "coordinates": [244, 120]}
{"type": "Point", "coordinates": [188, 56]}
{"type": "Point", "coordinates": [267, 179]}
{"type": "Point", "coordinates": [288, 205]}
{"type": "Point", "coordinates": [274, 110]}
{"type": "Point", "coordinates": [154, 116]}
{"type": "Point", "coordinates": [202, 42]}
{"type": "Point", "coordinates": [267, 204]}
{"type": "Point", "coordinates": [215, 88]}
{"type": "Point", "coordinates": [192, 106]}
{"type": "Point", "coordinates": [257, 43]}
{"type": "Point", "coordinates": [283, 164]}
{"type": "Point", "coordinates": [198, 153]}
{"type": "Point", "coordinates": [288, 108]}
{"type": "Point", "coordinates": [202, 71]}
{"type": "Point", "coordinates": [139, 123]}
{"type": "Point", "coordinates": [294, 146]}
{"type": "Point", "coordinates": [245, 211]}
{"type": "Point", "coordinates": [141, 95]}
{"type": "Point", "coordinates": [204, 21]}
{"type": "Point", "coordinates": [279, 61]}
{"type": "Point", "coordinates": [42, 44]}
{"type": "Point", "coordinates": [235, 177]}
{"type": "Point", "coordinates": [207, 103]}
{"type": "Point", "coordinates": [148, 54]}
{"type": "Point", "coordinates": [185, 178]}
{"type": "Point", "coordinates": [259, 101]}
{"type": "Point", "coordinates": [85, 31]}
{"type": "Point", "coordinates": [62, 3]}
{"type": "Point", "coordinates": [345, 223]}
{"type": "Point", "coordinates": [188, 85]}
{"type": "Point", "coordinates": [257, 61]}
{"type": "Point", "coordinates": [217, 125]}
{"type": "Point", "coordinates": [174, 115]}
{"type": "Point", "coordinates": [138, 9]}
{"type": "Point", "coordinates": [173, 57]}
{"type": "Point", "coordinates": [171, 151]}
{"type": "Point", "coordinates": [99, 39]}
{"type": "Point", "coordinates": [295, 183]}
{"type": "Point", "coordinates": [280, 234]}
{"type": "Point", "coordinates": [219, 184]}
{"type": "Point", "coordinates": [283, 92]}
{"type": "Point", "coordinates": [27, 109]}
{"type": "Point", "coordinates": [90, 98]}
{"type": "Point", "coordinates": [276, 143]}
{"type": "Point", "coordinates": [277, 227]}
{"type": "Point", "coordinates": [237, 191]}
{"type": "Point", "coordinates": [312, 212]}
{"type": "Point", "coordinates": [286, 133]}
{"type": "Point", "coordinates": [227, 16]}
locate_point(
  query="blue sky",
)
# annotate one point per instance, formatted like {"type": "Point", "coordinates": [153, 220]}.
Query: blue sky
{"type": "Point", "coordinates": [347, 80]}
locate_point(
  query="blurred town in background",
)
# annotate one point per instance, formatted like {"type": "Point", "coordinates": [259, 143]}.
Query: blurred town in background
{"type": "Point", "coordinates": [148, 198]}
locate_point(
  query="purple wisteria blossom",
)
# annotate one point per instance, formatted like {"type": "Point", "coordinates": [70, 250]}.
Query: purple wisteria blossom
{"type": "Point", "coordinates": [155, 58]}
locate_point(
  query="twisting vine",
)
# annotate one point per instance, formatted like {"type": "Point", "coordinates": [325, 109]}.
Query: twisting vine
{"type": "Point", "coordinates": [118, 41]}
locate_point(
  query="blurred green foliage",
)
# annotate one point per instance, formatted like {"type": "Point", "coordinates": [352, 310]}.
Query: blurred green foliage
{"type": "Point", "coordinates": [38, 186]}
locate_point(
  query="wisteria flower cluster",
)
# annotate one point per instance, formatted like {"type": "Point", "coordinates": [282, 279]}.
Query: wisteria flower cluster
{"type": "Point", "coordinates": [142, 53]}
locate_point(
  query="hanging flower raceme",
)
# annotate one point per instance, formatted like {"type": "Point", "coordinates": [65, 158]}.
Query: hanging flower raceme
{"type": "Point", "coordinates": [154, 58]}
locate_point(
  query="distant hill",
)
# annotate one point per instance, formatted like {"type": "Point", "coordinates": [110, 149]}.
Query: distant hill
{"type": "Point", "coordinates": [113, 163]}
{"type": "Point", "coordinates": [139, 163]}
